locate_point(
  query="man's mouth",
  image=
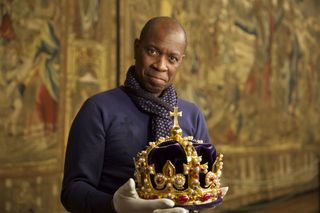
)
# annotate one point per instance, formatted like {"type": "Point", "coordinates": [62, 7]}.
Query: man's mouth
{"type": "Point", "coordinates": [155, 79]}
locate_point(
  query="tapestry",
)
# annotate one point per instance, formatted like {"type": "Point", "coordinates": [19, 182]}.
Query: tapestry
{"type": "Point", "coordinates": [252, 66]}
{"type": "Point", "coordinates": [30, 47]}
{"type": "Point", "coordinates": [53, 56]}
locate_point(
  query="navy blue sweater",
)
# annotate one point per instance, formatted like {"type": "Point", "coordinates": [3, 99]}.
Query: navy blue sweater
{"type": "Point", "coordinates": [105, 136]}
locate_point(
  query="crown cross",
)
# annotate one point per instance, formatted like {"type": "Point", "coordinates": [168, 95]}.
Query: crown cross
{"type": "Point", "coordinates": [175, 114]}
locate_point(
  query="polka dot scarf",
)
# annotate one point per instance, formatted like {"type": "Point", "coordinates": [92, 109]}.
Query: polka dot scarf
{"type": "Point", "coordinates": [158, 107]}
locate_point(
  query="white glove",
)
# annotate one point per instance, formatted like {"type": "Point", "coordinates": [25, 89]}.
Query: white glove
{"type": "Point", "coordinates": [224, 191]}
{"type": "Point", "coordinates": [126, 200]}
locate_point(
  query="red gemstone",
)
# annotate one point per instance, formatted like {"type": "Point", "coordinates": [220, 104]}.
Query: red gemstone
{"type": "Point", "coordinates": [183, 199]}
{"type": "Point", "coordinates": [205, 197]}
{"type": "Point", "coordinates": [196, 176]}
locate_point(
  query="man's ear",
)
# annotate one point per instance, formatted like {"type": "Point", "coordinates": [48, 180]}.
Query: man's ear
{"type": "Point", "coordinates": [136, 46]}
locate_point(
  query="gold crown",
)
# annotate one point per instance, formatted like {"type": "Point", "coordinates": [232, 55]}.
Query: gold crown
{"type": "Point", "coordinates": [183, 188]}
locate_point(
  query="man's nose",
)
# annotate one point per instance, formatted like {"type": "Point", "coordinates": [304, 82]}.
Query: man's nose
{"type": "Point", "coordinates": [161, 64]}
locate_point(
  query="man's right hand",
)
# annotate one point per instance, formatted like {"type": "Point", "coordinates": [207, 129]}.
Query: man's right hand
{"type": "Point", "coordinates": [126, 199]}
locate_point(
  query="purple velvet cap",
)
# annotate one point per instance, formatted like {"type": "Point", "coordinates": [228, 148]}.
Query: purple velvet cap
{"type": "Point", "coordinates": [174, 152]}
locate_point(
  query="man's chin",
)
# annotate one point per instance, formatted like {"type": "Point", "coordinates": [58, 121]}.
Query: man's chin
{"type": "Point", "coordinates": [154, 90]}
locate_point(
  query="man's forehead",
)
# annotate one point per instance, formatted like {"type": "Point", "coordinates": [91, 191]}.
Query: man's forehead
{"type": "Point", "coordinates": [165, 35]}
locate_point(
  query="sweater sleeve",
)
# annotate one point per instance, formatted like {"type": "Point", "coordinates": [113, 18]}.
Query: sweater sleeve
{"type": "Point", "coordinates": [84, 162]}
{"type": "Point", "coordinates": [201, 130]}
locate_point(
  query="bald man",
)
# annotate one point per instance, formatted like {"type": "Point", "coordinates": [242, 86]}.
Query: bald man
{"type": "Point", "coordinates": [113, 126]}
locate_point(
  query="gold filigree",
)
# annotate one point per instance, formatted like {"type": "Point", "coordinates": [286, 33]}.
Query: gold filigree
{"type": "Point", "coordinates": [184, 188]}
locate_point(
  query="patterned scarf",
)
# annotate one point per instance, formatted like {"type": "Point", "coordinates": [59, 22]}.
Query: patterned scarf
{"type": "Point", "coordinates": [158, 107]}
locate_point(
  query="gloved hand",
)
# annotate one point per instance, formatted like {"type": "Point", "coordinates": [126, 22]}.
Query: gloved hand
{"type": "Point", "coordinates": [224, 191]}
{"type": "Point", "coordinates": [126, 200]}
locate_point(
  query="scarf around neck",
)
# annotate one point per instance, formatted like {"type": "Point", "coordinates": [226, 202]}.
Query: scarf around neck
{"type": "Point", "coordinates": [157, 107]}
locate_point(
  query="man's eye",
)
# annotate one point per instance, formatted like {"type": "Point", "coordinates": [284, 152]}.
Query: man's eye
{"type": "Point", "coordinates": [173, 59]}
{"type": "Point", "coordinates": [152, 52]}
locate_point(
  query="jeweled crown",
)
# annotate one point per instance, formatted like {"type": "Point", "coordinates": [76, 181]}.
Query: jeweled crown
{"type": "Point", "coordinates": [180, 168]}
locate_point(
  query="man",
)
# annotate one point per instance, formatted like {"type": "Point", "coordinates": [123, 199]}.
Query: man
{"type": "Point", "coordinates": [113, 126]}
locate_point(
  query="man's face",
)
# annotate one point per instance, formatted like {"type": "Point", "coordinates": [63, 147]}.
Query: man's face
{"type": "Point", "coordinates": [158, 57]}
